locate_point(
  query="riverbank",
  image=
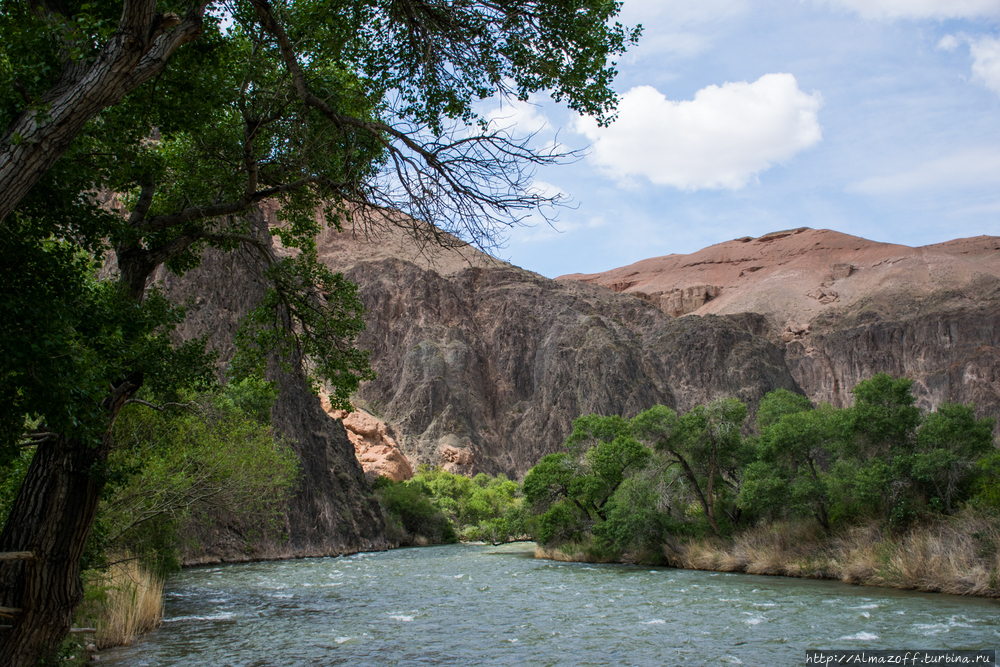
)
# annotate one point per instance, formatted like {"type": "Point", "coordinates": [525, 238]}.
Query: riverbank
{"type": "Point", "coordinates": [957, 556]}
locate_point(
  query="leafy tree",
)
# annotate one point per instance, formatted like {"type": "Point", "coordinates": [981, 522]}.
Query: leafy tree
{"type": "Point", "coordinates": [874, 470]}
{"type": "Point", "coordinates": [411, 503]}
{"type": "Point", "coordinates": [791, 476]}
{"type": "Point", "coordinates": [363, 110]}
{"type": "Point", "coordinates": [481, 508]}
{"type": "Point", "coordinates": [588, 480]}
{"type": "Point", "coordinates": [949, 443]}
{"type": "Point", "coordinates": [207, 458]}
{"type": "Point", "coordinates": [572, 492]}
{"type": "Point", "coordinates": [883, 420]}
{"type": "Point", "coordinates": [707, 444]}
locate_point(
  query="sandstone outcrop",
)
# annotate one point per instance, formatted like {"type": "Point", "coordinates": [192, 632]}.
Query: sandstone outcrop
{"type": "Point", "coordinates": [844, 308]}
{"type": "Point", "coordinates": [374, 444]}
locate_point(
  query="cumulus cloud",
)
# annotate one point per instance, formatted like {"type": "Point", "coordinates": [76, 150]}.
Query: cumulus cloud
{"type": "Point", "coordinates": [722, 138]}
{"type": "Point", "coordinates": [986, 62]}
{"type": "Point", "coordinates": [985, 53]}
{"type": "Point", "coordinates": [948, 43]}
{"type": "Point", "coordinates": [921, 9]}
{"type": "Point", "coordinates": [970, 168]}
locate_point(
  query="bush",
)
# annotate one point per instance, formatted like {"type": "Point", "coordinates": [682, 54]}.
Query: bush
{"type": "Point", "coordinates": [409, 502]}
{"type": "Point", "coordinates": [209, 458]}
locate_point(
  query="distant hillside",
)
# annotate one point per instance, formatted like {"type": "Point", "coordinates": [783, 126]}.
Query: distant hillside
{"type": "Point", "coordinates": [843, 308]}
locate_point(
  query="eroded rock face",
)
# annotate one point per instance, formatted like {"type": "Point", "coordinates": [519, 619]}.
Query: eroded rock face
{"type": "Point", "coordinates": [332, 511]}
{"type": "Point", "coordinates": [483, 366]}
{"type": "Point", "coordinates": [844, 308]}
{"type": "Point", "coordinates": [374, 444]}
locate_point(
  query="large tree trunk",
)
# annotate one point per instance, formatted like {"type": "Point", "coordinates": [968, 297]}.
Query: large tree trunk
{"type": "Point", "coordinates": [51, 518]}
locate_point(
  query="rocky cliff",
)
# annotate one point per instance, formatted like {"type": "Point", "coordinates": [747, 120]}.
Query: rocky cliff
{"type": "Point", "coordinates": [842, 308]}
{"type": "Point", "coordinates": [332, 511]}
{"type": "Point", "coordinates": [483, 366]}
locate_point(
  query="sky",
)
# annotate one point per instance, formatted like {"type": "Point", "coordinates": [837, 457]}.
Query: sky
{"type": "Point", "coordinates": [877, 118]}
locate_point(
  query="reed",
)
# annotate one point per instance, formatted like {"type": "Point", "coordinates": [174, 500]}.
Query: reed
{"type": "Point", "coordinates": [122, 603]}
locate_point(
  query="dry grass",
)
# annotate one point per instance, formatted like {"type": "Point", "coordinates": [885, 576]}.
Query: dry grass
{"type": "Point", "coordinates": [123, 602]}
{"type": "Point", "coordinates": [958, 555]}
{"type": "Point", "coordinates": [572, 553]}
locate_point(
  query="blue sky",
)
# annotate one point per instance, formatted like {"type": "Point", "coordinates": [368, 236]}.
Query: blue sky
{"type": "Point", "coordinates": [878, 118]}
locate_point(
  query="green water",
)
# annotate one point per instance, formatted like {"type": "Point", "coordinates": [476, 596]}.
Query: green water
{"type": "Point", "coordinates": [484, 605]}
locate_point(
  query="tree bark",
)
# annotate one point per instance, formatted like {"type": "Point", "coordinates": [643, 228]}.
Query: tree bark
{"type": "Point", "coordinates": [51, 517]}
{"type": "Point", "coordinates": [137, 51]}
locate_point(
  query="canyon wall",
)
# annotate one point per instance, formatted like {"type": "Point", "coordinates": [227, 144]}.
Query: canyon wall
{"type": "Point", "coordinates": [842, 308]}
{"type": "Point", "coordinates": [483, 366]}
{"type": "Point", "coordinates": [332, 510]}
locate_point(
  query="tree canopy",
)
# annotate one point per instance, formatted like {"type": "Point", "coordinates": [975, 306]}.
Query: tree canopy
{"type": "Point", "coordinates": [144, 131]}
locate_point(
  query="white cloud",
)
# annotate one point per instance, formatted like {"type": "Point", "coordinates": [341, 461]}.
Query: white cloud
{"type": "Point", "coordinates": [986, 62]}
{"type": "Point", "coordinates": [722, 138]}
{"type": "Point", "coordinates": [921, 9]}
{"type": "Point", "coordinates": [985, 53]}
{"type": "Point", "coordinates": [548, 224]}
{"type": "Point", "coordinates": [948, 43]}
{"type": "Point", "coordinates": [971, 168]}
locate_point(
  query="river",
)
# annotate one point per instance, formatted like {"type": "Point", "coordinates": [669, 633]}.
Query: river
{"type": "Point", "coordinates": [483, 605]}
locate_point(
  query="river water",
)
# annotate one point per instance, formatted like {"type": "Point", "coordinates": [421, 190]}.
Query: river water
{"type": "Point", "coordinates": [483, 605]}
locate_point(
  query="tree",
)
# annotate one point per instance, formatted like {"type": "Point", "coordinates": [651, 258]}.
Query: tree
{"type": "Point", "coordinates": [572, 492]}
{"type": "Point", "coordinates": [949, 443]}
{"type": "Point", "coordinates": [874, 471]}
{"type": "Point", "coordinates": [796, 445]}
{"type": "Point", "coordinates": [363, 110]}
{"type": "Point", "coordinates": [706, 443]}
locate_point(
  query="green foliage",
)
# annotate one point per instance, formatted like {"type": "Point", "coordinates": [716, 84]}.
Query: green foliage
{"type": "Point", "coordinates": [789, 478]}
{"type": "Point", "coordinates": [883, 421]}
{"type": "Point", "coordinates": [882, 459]}
{"type": "Point", "coordinates": [777, 404]}
{"type": "Point", "coordinates": [11, 476]}
{"type": "Point", "coordinates": [637, 522]}
{"type": "Point", "coordinates": [252, 395]}
{"type": "Point", "coordinates": [410, 503]}
{"type": "Point", "coordinates": [208, 459]}
{"type": "Point", "coordinates": [569, 494]}
{"type": "Point", "coordinates": [986, 485]}
{"type": "Point", "coordinates": [328, 316]}
{"type": "Point", "coordinates": [481, 508]}
{"type": "Point", "coordinates": [68, 335]}
{"type": "Point", "coordinates": [949, 443]}
{"type": "Point", "coordinates": [707, 445]}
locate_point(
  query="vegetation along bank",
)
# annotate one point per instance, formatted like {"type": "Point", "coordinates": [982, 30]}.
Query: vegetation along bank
{"type": "Point", "coordinates": [880, 493]}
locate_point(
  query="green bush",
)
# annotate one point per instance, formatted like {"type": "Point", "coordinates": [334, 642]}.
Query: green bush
{"type": "Point", "coordinates": [409, 502]}
{"type": "Point", "coordinates": [213, 456]}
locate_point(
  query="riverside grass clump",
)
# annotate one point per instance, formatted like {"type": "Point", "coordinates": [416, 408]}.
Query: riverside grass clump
{"type": "Point", "coordinates": [880, 493]}
{"type": "Point", "coordinates": [122, 602]}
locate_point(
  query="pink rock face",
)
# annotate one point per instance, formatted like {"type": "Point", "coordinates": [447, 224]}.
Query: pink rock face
{"type": "Point", "coordinates": [800, 274]}
{"type": "Point", "coordinates": [374, 446]}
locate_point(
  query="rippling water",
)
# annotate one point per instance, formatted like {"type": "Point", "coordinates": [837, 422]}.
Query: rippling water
{"type": "Point", "coordinates": [483, 605]}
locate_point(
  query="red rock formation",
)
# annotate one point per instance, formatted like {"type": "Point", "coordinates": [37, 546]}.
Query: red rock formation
{"type": "Point", "coordinates": [374, 445]}
{"type": "Point", "coordinates": [800, 274]}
